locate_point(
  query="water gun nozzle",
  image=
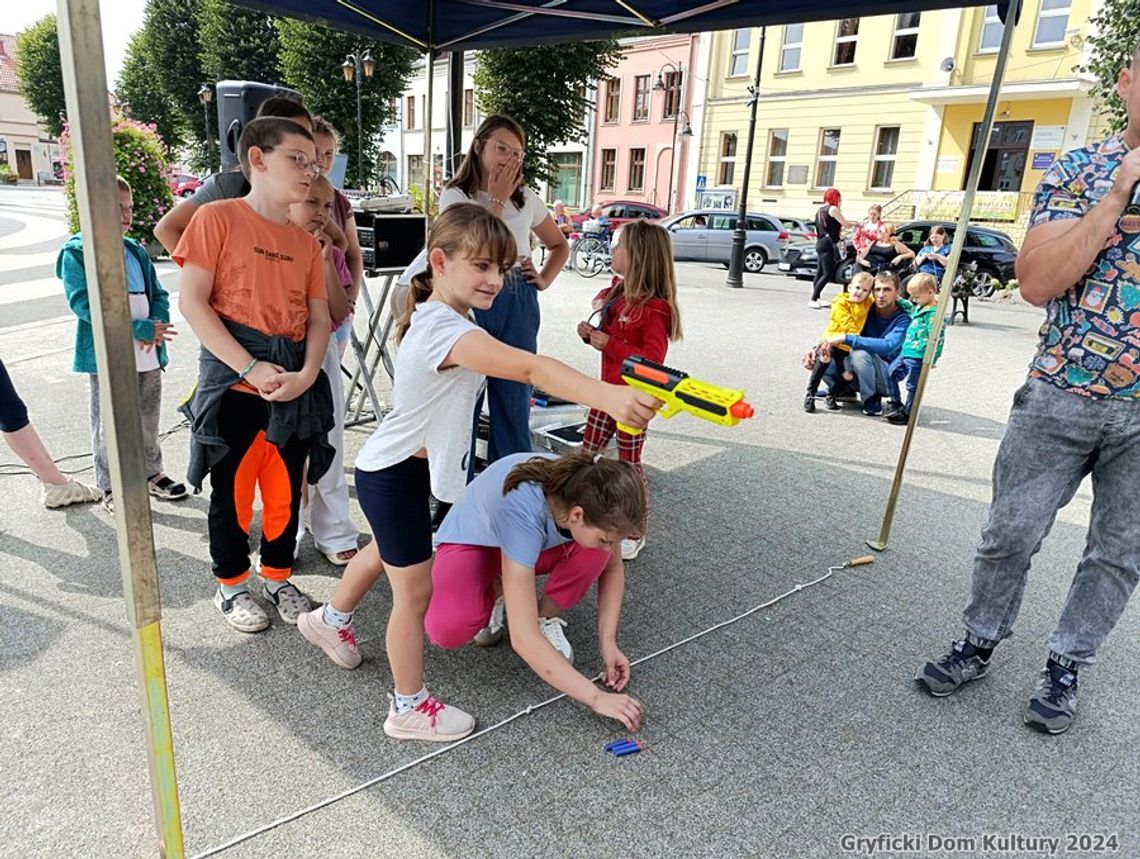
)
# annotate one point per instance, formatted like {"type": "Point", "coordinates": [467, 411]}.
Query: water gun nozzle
{"type": "Point", "coordinates": [742, 410]}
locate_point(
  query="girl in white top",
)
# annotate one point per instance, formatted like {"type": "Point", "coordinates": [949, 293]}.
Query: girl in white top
{"type": "Point", "coordinates": [491, 175]}
{"type": "Point", "coordinates": [422, 448]}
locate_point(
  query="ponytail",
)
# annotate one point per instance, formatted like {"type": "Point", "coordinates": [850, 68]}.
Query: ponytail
{"type": "Point", "coordinates": [419, 291]}
{"type": "Point", "coordinates": [610, 492]}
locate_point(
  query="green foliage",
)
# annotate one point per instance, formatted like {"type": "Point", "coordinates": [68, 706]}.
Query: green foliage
{"type": "Point", "coordinates": [236, 43]}
{"type": "Point", "coordinates": [416, 192]}
{"type": "Point", "coordinates": [171, 41]}
{"type": "Point", "coordinates": [7, 175]}
{"type": "Point", "coordinates": [1117, 27]}
{"type": "Point", "coordinates": [41, 75]}
{"type": "Point", "coordinates": [148, 102]}
{"type": "Point", "coordinates": [544, 89]}
{"type": "Point", "coordinates": [140, 159]}
{"type": "Point", "coordinates": [311, 57]}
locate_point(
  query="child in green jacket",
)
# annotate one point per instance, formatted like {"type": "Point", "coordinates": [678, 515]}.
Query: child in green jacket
{"type": "Point", "coordinates": [150, 315]}
{"type": "Point", "coordinates": [923, 291]}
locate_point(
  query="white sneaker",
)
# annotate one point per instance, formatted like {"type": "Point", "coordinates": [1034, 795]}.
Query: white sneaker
{"type": "Point", "coordinates": [814, 305]}
{"type": "Point", "coordinates": [630, 549]}
{"type": "Point", "coordinates": [241, 611]}
{"type": "Point", "coordinates": [492, 633]}
{"type": "Point", "coordinates": [552, 628]}
{"type": "Point", "coordinates": [53, 496]}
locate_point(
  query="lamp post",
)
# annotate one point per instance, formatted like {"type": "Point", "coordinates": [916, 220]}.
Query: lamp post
{"type": "Point", "coordinates": [359, 67]}
{"type": "Point", "coordinates": [686, 131]}
{"type": "Point", "coordinates": [206, 95]}
{"type": "Point", "coordinates": [736, 259]}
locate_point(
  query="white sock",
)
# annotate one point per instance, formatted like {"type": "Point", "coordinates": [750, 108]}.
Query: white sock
{"type": "Point", "coordinates": [231, 591]}
{"type": "Point", "coordinates": [274, 586]}
{"type": "Point", "coordinates": [335, 618]}
{"type": "Point", "coordinates": [404, 703]}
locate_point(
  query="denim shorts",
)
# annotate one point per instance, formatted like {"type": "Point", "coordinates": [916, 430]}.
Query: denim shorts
{"type": "Point", "coordinates": [396, 502]}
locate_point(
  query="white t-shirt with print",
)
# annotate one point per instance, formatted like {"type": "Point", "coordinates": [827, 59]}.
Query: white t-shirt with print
{"type": "Point", "coordinates": [432, 408]}
{"type": "Point", "coordinates": [521, 222]}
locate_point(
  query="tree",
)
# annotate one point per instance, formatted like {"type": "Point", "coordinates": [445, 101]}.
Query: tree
{"type": "Point", "coordinates": [311, 57]}
{"type": "Point", "coordinates": [40, 72]}
{"type": "Point", "coordinates": [1117, 27]}
{"type": "Point", "coordinates": [237, 43]}
{"type": "Point", "coordinates": [544, 89]}
{"type": "Point", "coordinates": [148, 101]}
{"type": "Point", "coordinates": [171, 40]}
{"type": "Point", "coordinates": [140, 159]}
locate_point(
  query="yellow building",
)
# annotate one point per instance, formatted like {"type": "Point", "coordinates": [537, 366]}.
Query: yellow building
{"type": "Point", "coordinates": [885, 110]}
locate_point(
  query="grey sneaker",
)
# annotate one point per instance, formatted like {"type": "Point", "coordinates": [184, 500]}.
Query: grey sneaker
{"type": "Point", "coordinates": [957, 668]}
{"type": "Point", "coordinates": [289, 602]}
{"type": "Point", "coordinates": [492, 633]}
{"type": "Point", "coordinates": [1053, 706]}
{"type": "Point", "coordinates": [242, 612]}
{"type": "Point", "coordinates": [53, 496]}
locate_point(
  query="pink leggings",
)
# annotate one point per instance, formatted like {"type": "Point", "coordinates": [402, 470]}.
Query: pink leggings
{"type": "Point", "coordinates": [462, 579]}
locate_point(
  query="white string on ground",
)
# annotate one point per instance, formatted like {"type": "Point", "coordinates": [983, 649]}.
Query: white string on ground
{"type": "Point", "coordinates": [324, 803]}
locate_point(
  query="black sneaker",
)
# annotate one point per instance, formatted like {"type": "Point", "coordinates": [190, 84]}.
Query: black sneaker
{"type": "Point", "coordinates": [954, 670]}
{"type": "Point", "coordinates": [873, 406]}
{"type": "Point", "coordinates": [892, 406]}
{"type": "Point", "coordinates": [809, 403]}
{"type": "Point", "coordinates": [899, 417]}
{"type": "Point", "coordinates": [831, 403]}
{"type": "Point", "coordinates": [1053, 706]}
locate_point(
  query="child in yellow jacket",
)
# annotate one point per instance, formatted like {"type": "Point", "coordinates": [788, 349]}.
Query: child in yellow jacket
{"type": "Point", "coordinates": [848, 313]}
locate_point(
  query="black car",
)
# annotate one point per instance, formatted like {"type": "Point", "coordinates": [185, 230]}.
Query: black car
{"type": "Point", "coordinates": [994, 252]}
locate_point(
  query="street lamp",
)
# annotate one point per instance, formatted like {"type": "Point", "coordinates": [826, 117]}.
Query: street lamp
{"type": "Point", "coordinates": [687, 131]}
{"type": "Point", "coordinates": [206, 95]}
{"type": "Point", "coordinates": [359, 67]}
{"type": "Point", "coordinates": [736, 257]}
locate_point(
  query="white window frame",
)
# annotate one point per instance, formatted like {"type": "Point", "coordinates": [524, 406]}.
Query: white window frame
{"type": "Point", "coordinates": [736, 53]}
{"type": "Point", "coordinates": [770, 160]}
{"type": "Point", "coordinates": [905, 31]}
{"type": "Point", "coordinates": [843, 40]}
{"type": "Point", "coordinates": [878, 158]}
{"type": "Point", "coordinates": [791, 46]}
{"type": "Point", "coordinates": [821, 159]}
{"type": "Point", "coordinates": [1044, 14]}
{"type": "Point", "coordinates": [990, 19]}
{"type": "Point", "coordinates": [727, 160]}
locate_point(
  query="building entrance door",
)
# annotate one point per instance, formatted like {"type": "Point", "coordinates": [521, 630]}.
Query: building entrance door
{"type": "Point", "coordinates": [24, 163]}
{"type": "Point", "coordinates": [1005, 157]}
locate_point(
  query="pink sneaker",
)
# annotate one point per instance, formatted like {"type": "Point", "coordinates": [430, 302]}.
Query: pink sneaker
{"type": "Point", "coordinates": [338, 642]}
{"type": "Point", "coordinates": [432, 720]}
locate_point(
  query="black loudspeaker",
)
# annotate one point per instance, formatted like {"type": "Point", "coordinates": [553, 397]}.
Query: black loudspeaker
{"type": "Point", "coordinates": [389, 241]}
{"type": "Point", "coordinates": [238, 102]}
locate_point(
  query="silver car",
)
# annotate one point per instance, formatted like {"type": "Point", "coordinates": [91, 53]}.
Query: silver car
{"type": "Point", "coordinates": [705, 235]}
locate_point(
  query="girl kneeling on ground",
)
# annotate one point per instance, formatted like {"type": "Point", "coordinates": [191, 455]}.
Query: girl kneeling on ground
{"type": "Point", "coordinates": [527, 516]}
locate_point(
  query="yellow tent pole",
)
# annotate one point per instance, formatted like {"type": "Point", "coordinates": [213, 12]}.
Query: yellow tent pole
{"type": "Point", "coordinates": [85, 88]}
{"type": "Point", "coordinates": [1012, 14]}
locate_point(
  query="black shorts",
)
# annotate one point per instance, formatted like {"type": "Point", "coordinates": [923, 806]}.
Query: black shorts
{"type": "Point", "coordinates": [13, 412]}
{"type": "Point", "coordinates": [397, 503]}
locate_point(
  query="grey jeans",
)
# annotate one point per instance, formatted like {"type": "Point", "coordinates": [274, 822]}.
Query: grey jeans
{"type": "Point", "coordinates": [150, 404]}
{"type": "Point", "coordinates": [1053, 440]}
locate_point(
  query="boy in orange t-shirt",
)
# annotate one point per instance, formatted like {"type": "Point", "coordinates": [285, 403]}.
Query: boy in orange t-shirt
{"type": "Point", "coordinates": [253, 291]}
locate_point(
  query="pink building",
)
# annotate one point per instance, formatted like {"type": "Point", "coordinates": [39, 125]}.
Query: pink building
{"type": "Point", "coordinates": [638, 141]}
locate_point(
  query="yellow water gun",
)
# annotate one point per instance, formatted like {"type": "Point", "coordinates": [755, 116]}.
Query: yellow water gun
{"type": "Point", "coordinates": [681, 392]}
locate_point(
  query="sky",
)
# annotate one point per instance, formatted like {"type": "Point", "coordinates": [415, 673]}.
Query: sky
{"type": "Point", "coordinates": [120, 19]}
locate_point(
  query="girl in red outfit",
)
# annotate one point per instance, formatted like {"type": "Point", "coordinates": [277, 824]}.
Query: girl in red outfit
{"type": "Point", "coordinates": [636, 315]}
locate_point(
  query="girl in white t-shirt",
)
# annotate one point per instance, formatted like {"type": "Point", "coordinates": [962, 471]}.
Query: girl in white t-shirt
{"type": "Point", "coordinates": [422, 449]}
{"type": "Point", "coordinates": [491, 175]}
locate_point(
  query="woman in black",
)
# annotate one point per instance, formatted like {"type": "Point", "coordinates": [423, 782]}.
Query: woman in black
{"type": "Point", "coordinates": [885, 254]}
{"type": "Point", "coordinates": [828, 222]}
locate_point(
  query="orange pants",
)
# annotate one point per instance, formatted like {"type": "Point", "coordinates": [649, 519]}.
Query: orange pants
{"type": "Point", "coordinates": [253, 464]}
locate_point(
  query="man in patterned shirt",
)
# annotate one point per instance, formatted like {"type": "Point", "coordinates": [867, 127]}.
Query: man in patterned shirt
{"type": "Point", "coordinates": [1077, 414]}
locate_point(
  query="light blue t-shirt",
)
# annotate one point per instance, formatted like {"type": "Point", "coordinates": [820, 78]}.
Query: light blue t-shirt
{"type": "Point", "coordinates": [519, 523]}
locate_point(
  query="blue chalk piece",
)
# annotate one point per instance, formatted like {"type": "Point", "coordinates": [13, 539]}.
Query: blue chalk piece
{"type": "Point", "coordinates": [622, 751]}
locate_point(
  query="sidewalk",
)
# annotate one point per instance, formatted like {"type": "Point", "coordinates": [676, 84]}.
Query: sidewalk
{"type": "Point", "coordinates": [775, 736]}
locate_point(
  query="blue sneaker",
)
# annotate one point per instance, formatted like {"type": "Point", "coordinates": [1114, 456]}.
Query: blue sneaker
{"type": "Point", "coordinates": [1053, 706]}
{"type": "Point", "coordinates": [954, 670]}
{"type": "Point", "coordinates": [873, 406]}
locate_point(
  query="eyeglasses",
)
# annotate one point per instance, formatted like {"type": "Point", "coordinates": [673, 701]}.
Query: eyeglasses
{"type": "Point", "coordinates": [501, 148]}
{"type": "Point", "coordinates": [302, 161]}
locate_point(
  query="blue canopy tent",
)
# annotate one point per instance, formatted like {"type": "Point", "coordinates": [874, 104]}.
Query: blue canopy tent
{"type": "Point", "coordinates": [432, 26]}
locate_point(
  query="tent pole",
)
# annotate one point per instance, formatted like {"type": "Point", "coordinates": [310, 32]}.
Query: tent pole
{"type": "Point", "coordinates": [429, 159]}
{"type": "Point", "coordinates": [1013, 12]}
{"type": "Point", "coordinates": [455, 100]}
{"type": "Point", "coordinates": [85, 88]}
